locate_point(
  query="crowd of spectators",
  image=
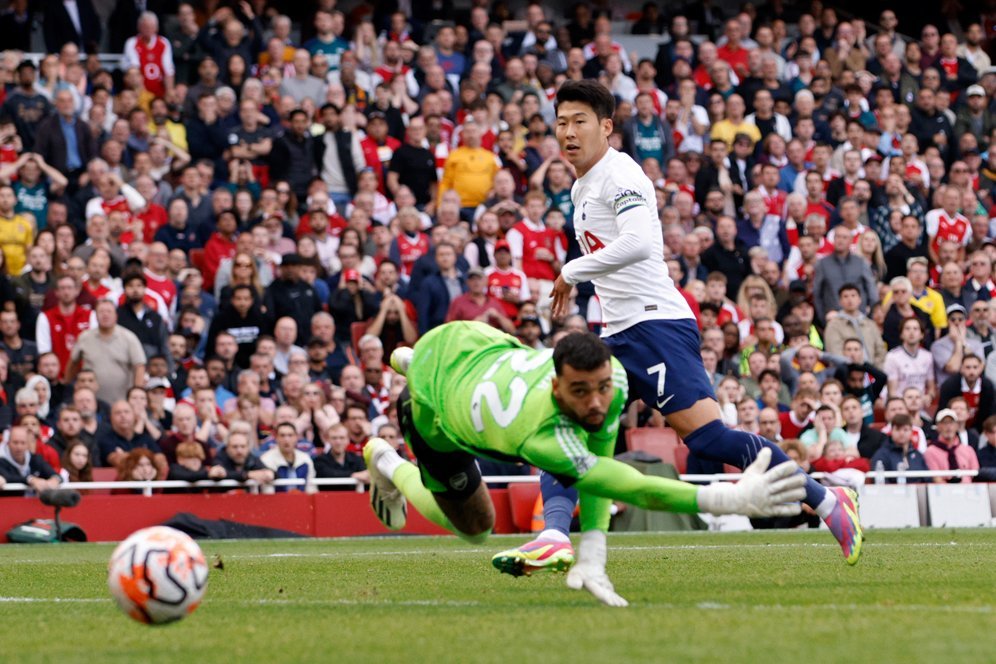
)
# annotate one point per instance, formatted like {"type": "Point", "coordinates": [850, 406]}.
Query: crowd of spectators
{"type": "Point", "coordinates": [209, 251]}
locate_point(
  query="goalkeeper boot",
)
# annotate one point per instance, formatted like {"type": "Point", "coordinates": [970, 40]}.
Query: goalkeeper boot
{"type": "Point", "coordinates": [845, 524]}
{"type": "Point", "coordinates": [536, 556]}
{"type": "Point", "coordinates": [401, 359]}
{"type": "Point", "coordinates": [387, 501]}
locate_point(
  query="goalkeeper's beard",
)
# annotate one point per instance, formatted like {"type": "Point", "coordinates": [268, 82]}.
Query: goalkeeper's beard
{"type": "Point", "coordinates": [593, 421]}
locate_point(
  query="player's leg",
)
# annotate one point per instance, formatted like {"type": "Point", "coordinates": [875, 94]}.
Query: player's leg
{"type": "Point", "coordinates": [445, 488]}
{"type": "Point", "coordinates": [551, 550]}
{"type": "Point", "coordinates": [665, 369]}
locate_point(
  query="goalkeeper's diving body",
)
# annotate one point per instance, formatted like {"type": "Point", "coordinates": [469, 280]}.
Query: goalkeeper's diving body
{"type": "Point", "coordinates": [475, 391]}
{"type": "Point", "coordinates": [649, 326]}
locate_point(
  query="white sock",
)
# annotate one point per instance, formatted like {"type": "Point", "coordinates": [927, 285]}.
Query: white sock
{"type": "Point", "coordinates": [827, 504]}
{"type": "Point", "coordinates": [388, 462]}
{"type": "Point", "coordinates": [553, 535]}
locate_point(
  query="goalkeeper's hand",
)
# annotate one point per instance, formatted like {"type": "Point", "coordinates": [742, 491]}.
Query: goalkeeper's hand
{"type": "Point", "coordinates": [760, 492]}
{"type": "Point", "coordinates": [588, 572]}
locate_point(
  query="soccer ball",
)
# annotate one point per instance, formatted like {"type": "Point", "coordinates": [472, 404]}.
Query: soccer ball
{"type": "Point", "coordinates": [157, 575]}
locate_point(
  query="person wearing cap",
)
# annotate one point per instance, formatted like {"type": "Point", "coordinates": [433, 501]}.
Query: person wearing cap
{"type": "Point", "coordinates": [353, 301]}
{"type": "Point", "coordinates": [509, 285]}
{"type": "Point", "coordinates": [974, 117]}
{"type": "Point", "coordinates": [478, 304]}
{"type": "Point", "coordinates": [945, 452]}
{"type": "Point", "coordinates": [378, 148]}
{"type": "Point", "coordinates": [952, 348]}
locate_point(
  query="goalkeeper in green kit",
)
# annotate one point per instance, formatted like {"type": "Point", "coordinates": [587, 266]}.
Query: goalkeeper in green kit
{"type": "Point", "coordinates": [474, 391]}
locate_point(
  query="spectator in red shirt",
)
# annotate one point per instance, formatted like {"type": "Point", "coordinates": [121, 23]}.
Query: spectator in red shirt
{"type": "Point", "coordinates": [477, 304]}
{"type": "Point", "coordinates": [220, 245]}
{"type": "Point", "coordinates": [733, 52]}
{"type": "Point", "coordinates": [378, 147]}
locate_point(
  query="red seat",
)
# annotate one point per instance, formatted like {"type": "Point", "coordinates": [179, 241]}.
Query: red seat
{"type": "Point", "coordinates": [660, 442]}
{"type": "Point", "coordinates": [197, 259]}
{"type": "Point", "coordinates": [102, 475]}
{"type": "Point", "coordinates": [105, 474]}
{"type": "Point", "coordinates": [357, 330]}
{"type": "Point", "coordinates": [522, 499]}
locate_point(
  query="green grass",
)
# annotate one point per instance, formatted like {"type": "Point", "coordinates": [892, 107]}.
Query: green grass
{"type": "Point", "coordinates": [922, 595]}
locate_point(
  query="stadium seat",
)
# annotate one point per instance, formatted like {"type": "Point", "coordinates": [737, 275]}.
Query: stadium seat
{"type": "Point", "coordinates": [357, 330]}
{"type": "Point", "coordinates": [660, 442]}
{"type": "Point", "coordinates": [102, 475]}
{"type": "Point", "coordinates": [522, 498]}
{"type": "Point", "coordinates": [105, 474]}
{"type": "Point", "coordinates": [197, 259]}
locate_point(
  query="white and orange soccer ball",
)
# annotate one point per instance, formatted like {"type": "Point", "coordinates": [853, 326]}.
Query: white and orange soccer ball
{"type": "Point", "coordinates": [158, 575]}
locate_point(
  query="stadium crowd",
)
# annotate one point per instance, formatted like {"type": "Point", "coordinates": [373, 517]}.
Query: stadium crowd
{"type": "Point", "coordinates": [209, 252]}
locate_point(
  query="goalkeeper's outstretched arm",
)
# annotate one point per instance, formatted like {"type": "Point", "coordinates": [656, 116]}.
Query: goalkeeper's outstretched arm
{"type": "Point", "coordinates": [775, 492]}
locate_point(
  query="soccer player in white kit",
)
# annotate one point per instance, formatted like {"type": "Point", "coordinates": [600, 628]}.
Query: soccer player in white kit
{"type": "Point", "coordinates": [648, 326]}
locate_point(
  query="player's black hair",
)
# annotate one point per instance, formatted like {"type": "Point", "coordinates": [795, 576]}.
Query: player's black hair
{"type": "Point", "coordinates": [591, 92]}
{"type": "Point", "coordinates": [582, 351]}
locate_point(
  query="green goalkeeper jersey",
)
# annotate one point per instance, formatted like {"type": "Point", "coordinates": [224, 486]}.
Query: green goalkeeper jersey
{"type": "Point", "coordinates": [478, 389]}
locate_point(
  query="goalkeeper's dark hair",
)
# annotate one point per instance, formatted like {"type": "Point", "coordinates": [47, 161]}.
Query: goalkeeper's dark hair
{"type": "Point", "coordinates": [582, 351]}
{"type": "Point", "coordinates": [591, 92]}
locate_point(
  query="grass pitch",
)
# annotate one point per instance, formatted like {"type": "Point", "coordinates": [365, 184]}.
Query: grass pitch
{"type": "Point", "coordinates": [924, 595]}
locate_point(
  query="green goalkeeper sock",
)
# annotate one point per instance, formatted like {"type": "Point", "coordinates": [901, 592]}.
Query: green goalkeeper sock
{"type": "Point", "coordinates": [406, 477]}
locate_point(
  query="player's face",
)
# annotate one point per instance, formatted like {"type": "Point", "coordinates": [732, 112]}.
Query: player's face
{"type": "Point", "coordinates": [584, 396]}
{"type": "Point", "coordinates": [582, 136]}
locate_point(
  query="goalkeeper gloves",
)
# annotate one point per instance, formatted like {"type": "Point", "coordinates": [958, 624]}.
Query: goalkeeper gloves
{"type": "Point", "coordinates": [588, 572]}
{"type": "Point", "coordinates": [760, 492]}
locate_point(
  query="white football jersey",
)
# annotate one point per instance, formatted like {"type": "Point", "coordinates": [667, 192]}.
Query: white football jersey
{"type": "Point", "coordinates": [616, 223]}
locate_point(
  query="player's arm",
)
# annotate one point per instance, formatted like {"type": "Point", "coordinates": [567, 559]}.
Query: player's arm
{"type": "Point", "coordinates": [760, 492]}
{"type": "Point", "coordinates": [596, 510]}
{"type": "Point", "coordinates": [635, 224]}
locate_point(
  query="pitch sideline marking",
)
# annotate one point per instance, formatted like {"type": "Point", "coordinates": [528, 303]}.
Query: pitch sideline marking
{"type": "Point", "coordinates": [705, 606]}
{"type": "Point", "coordinates": [663, 547]}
